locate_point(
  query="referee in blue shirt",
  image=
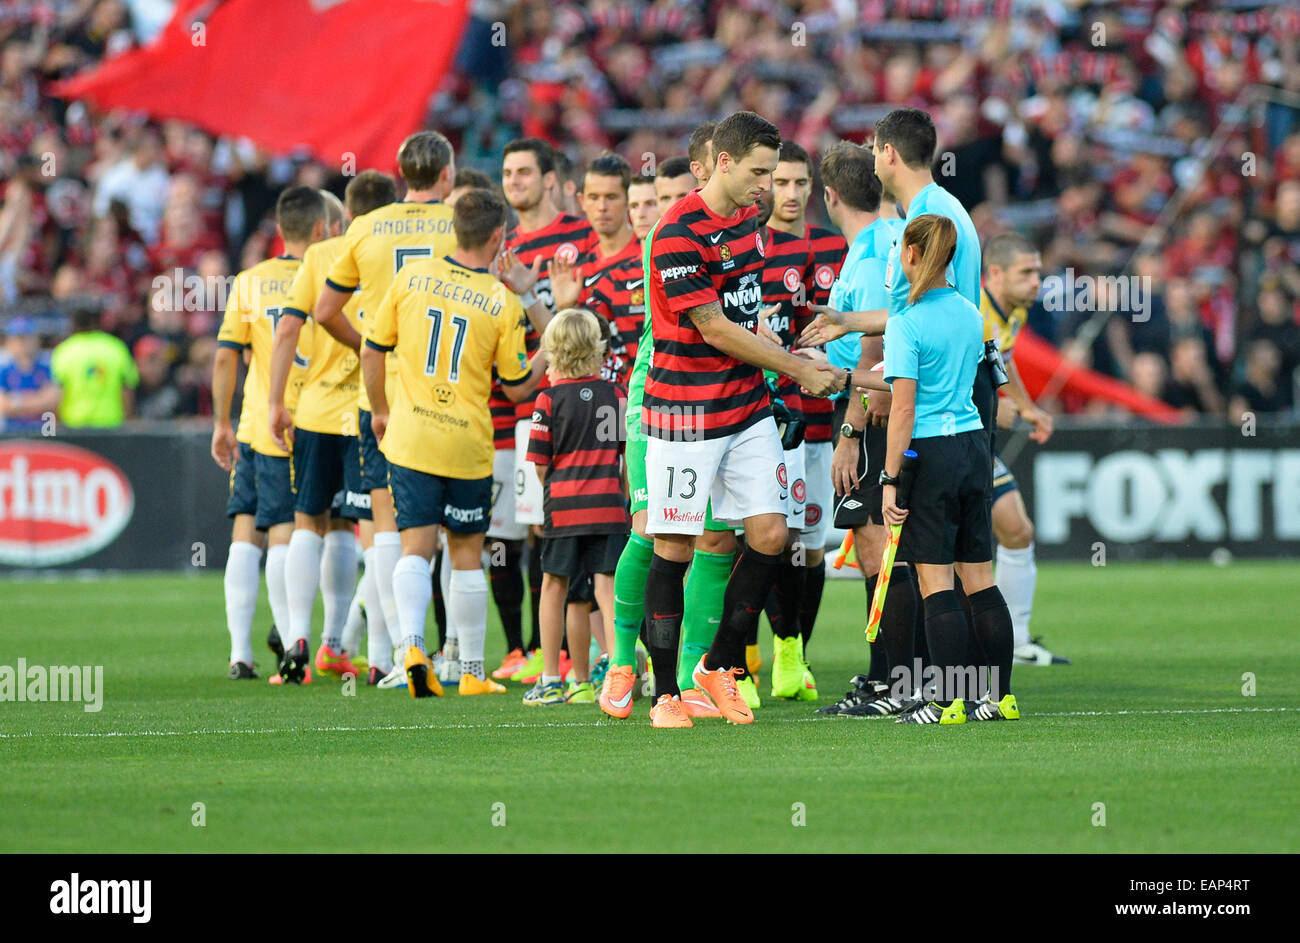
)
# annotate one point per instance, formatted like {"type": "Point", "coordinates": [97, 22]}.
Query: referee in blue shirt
{"type": "Point", "coordinates": [932, 351]}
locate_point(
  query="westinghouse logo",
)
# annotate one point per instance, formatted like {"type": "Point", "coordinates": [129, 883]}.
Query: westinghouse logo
{"type": "Point", "coordinates": [76, 896]}
{"type": "Point", "coordinates": [59, 683]}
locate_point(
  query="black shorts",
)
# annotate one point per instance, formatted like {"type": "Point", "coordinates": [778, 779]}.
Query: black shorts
{"type": "Point", "coordinates": [574, 557]}
{"type": "Point", "coordinates": [243, 483]}
{"type": "Point", "coordinates": [421, 500]}
{"type": "Point", "coordinates": [317, 473]}
{"type": "Point", "coordinates": [1003, 481]}
{"type": "Point", "coordinates": [355, 498]}
{"type": "Point", "coordinates": [949, 509]}
{"type": "Point", "coordinates": [374, 467]}
{"type": "Point", "coordinates": [582, 588]}
{"type": "Point", "coordinates": [861, 506]}
{"type": "Point", "coordinates": [274, 490]}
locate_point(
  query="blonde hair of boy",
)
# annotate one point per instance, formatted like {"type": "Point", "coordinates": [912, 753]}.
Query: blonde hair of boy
{"type": "Point", "coordinates": [573, 344]}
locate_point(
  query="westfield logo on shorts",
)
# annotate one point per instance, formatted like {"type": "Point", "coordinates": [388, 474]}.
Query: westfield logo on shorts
{"type": "Point", "coordinates": [58, 503]}
{"type": "Point", "coordinates": [678, 516]}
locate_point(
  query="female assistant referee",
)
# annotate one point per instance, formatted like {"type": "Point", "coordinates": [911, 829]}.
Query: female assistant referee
{"type": "Point", "coordinates": [932, 351]}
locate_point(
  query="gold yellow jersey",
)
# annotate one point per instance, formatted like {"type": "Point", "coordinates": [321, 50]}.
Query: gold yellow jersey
{"type": "Point", "coordinates": [253, 309]}
{"type": "Point", "coordinates": [379, 243]}
{"type": "Point", "coordinates": [328, 402]}
{"type": "Point", "coordinates": [446, 325]}
{"type": "Point", "coordinates": [1004, 327]}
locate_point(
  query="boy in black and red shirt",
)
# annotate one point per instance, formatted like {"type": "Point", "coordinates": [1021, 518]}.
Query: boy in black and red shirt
{"type": "Point", "coordinates": [576, 444]}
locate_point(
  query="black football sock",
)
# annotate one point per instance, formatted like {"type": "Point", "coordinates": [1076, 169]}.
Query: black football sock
{"type": "Point", "coordinates": [898, 630]}
{"type": "Point", "coordinates": [811, 603]}
{"type": "Point", "coordinates": [974, 652]}
{"type": "Point", "coordinates": [664, 603]}
{"type": "Point", "coordinates": [993, 626]}
{"type": "Point", "coordinates": [439, 604]}
{"type": "Point", "coordinates": [506, 577]}
{"type": "Point", "coordinates": [772, 609]}
{"type": "Point", "coordinates": [946, 631]}
{"type": "Point", "coordinates": [789, 593]}
{"type": "Point", "coordinates": [918, 632]}
{"type": "Point", "coordinates": [535, 593]}
{"type": "Point", "coordinates": [747, 589]}
{"type": "Point", "coordinates": [878, 660]}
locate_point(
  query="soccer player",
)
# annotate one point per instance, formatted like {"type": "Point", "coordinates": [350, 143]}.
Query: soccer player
{"type": "Point", "coordinates": [375, 248]}
{"type": "Point", "coordinates": [261, 498]}
{"type": "Point", "coordinates": [326, 455]}
{"type": "Point", "coordinates": [575, 446]}
{"type": "Point", "coordinates": [932, 350]}
{"type": "Point", "coordinates": [448, 321]}
{"type": "Point", "coordinates": [707, 413]}
{"type": "Point", "coordinates": [606, 283]}
{"type": "Point", "coordinates": [543, 233]}
{"type": "Point", "coordinates": [1012, 275]}
{"type": "Point", "coordinates": [642, 205]}
{"type": "Point", "coordinates": [707, 578]}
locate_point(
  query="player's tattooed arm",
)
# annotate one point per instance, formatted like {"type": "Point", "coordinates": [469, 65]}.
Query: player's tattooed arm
{"type": "Point", "coordinates": [820, 379]}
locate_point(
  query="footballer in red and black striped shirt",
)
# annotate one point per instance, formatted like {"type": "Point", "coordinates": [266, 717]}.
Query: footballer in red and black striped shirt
{"type": "Point", "coordinates": [828, 250]}
{"type": "Point", "coordinates": [706, 413]}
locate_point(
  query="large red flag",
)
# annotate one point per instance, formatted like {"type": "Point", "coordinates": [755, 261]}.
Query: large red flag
{"type": "Point", "coordinates": [338, 77]}
{"type": "Point", "coordinates": [1038, 361]}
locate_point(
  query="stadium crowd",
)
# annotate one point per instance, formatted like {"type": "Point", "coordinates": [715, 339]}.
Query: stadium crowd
{"type": "Point", "coordinates": [1080, 125]}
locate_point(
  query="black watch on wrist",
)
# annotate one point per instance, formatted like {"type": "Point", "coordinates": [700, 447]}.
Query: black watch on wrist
{"type": "Point", "coordinates": [887, 479]}
{"type": "Point", "coordinates": [848, 432]}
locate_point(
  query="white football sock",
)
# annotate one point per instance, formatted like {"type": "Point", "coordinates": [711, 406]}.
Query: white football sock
{"type": "Point", "coordinates": [241, 598]}
{"type": "Point", "coordinates": [276, 594]}
{"type": "Point", "coordinates": [352, 625]}
{"type": "Point", "coordinates": [388, 550]}
{"type": "Point", "coordinates": [467, 602]}
{"type": "Point", "coordinates": [379, 647]}
{"type": "Point", "coordinates": [302, 579]}
{"type": "Point", "coordinates": [444, 581]}
{"type": "Point", "coordinates": [338, 582]}
{"type": "Point", "coordinates": [414, 591]}
{"type": "Point", "coordinates": [1017, 575]}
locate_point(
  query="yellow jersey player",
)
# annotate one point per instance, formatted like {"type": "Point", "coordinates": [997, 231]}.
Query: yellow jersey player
{"type": "Point", "coordinates": [448, 321]}
{"type": "Point", "coordinates": [261, 499]}
{"type": "Point", "coordinates": [328, 493]}
{"type": "Point", "coordinates": [375, 247]}
{"type": "Point", "coordinates": [1012, 275]}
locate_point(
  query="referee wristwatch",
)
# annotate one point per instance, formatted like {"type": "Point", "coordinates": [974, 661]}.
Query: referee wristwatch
{"type": "Point", "coordinates": [887, 479]}
{"type": "Point", "coordinates": [848, 432]}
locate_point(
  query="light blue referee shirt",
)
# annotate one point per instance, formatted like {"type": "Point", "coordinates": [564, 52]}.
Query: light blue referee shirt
{"type": "Point", "coordinates": [861, 286]}
{"type": "Point", "coordinates": [938, 342]}
{"type": "Point", "coordinates": [964, 270]}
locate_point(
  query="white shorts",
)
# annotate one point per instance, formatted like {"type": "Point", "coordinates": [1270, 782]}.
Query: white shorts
{"type": "Point", "coordinates": [503, 525]}
{"type": "Point", "coordinates": [819, 509]}
{"type": "Point", "coordinates": [797, 495]}
{"type": "Point", "coordinates": [743, 475]}
{"type": "Point", "coordinates": [528, 487]}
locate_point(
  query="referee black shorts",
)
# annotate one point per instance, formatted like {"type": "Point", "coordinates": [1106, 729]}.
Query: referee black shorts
{"type": "Point", "coordinates": [949, 509]}
{"type": "Point", "coordinates": [861, 506]}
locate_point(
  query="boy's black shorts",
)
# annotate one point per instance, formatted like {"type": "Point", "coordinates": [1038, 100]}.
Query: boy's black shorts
{"type": "Point", "coordinates": [861, 506]}
{"type": "Point", "coordinates": [572, 557]}
{"type": "Point", "coordinates": [952, 498]}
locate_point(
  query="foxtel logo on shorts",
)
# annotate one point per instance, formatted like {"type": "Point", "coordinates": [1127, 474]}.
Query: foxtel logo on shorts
{"type": "Point", "coordinates": [678, 516]}
{"type": "Point", "coordinates": [463, 515]}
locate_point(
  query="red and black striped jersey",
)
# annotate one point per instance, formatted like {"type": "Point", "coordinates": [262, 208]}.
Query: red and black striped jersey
{"type": "Point", "coordinates": [570, 238]}
{"type": "Point", "coordinates": [787, 281]}
{"type": "Point", "coordinates": [577, 431]}
{"type": "Point", "coordinates": [693, 390]}
{"type": "Point", "coordinates": [828, 251]}
{"type": "Point", "coordinates": [616, 292]}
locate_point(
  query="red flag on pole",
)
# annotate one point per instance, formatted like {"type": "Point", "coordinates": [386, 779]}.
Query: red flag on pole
{"type": "Point", "coordinates": [337, 77]}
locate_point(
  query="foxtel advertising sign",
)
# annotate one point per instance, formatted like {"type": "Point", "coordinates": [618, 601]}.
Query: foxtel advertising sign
{"type": "Point", "coordinates": [58, 503]}
{"type": "Point", "coordinates": [1158, 492]}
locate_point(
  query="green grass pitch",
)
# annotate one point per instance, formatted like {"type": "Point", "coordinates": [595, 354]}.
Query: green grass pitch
{"type": "Point", "coordinates": [1150, 720]}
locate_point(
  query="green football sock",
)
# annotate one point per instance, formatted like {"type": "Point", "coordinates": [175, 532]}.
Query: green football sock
{"type": "Point", "coordinates": [629, 597]}
{"type": "Point", "coordinates": [705, 585]}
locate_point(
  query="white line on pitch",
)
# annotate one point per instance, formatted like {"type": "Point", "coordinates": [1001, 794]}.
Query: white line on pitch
{"type": "Point", "coordinates": [385, 728]}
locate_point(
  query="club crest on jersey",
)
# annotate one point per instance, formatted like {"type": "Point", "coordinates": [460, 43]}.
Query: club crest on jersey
{"type": "Point", "coordinates": [758, 243]}
{"type": "Point", "coordinates": [636, 298]}
{"type": "Point", "coordinates": [791, 280]}
{"type": "Point", "coordinates": [824, 277]}
{"type": "Point", "coordinates": [566, 253]}
{"type": "Point", "coordinates": [782, 478]}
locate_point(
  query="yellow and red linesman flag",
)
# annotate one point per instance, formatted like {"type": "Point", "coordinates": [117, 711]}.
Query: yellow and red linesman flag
{"type": "Point", "coordinates": [906, 474]}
